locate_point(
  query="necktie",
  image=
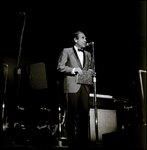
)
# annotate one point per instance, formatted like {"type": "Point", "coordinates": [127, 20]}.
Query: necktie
{"type": "Point", "coordinates": [80, 55]}
{"type": "Point", "coordinates": [80, 50]}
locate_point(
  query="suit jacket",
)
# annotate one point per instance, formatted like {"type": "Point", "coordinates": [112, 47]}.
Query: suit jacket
{"type": "Point", "coordinates": [67, 61]}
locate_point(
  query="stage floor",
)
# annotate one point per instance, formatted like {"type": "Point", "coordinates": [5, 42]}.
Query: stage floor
{"type": "Point", "coordinates": [134, 137]}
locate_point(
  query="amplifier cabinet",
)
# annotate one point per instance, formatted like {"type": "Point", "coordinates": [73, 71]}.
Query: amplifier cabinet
{"type": "Point", "coordinates": [107, 122]}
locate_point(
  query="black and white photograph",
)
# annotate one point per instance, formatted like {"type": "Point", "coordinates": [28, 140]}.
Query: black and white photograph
{"type": "Point", "coordinates": [73, 75]}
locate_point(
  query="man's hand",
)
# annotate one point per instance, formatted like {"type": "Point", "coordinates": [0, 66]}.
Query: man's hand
{"type": "Point", "coordinates": [78, 70]}
{"type": "Point", "coordinates": [92, 72]}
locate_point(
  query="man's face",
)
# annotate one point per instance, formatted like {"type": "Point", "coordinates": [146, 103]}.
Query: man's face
{"type": "Point", "coordinates": [81, 41]}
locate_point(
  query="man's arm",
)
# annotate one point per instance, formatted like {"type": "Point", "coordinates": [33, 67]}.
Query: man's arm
{"type": "Point", "coordinates": [62, 67]}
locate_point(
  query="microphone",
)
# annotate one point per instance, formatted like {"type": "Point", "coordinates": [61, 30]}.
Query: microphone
{"type": "Point", "coordinates": [21, 14]}
{"type": "Point", "coordinates": [142, 71]}
{"type": "Point", "coordinates": [88, 44]}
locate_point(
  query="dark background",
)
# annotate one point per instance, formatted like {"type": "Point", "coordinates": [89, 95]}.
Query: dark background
{"type": "Point", "coordinates": [117, 29]}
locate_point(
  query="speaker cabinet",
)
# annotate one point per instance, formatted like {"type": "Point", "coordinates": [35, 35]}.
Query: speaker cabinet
{"type": "Point", "coordinates": [107, 122]}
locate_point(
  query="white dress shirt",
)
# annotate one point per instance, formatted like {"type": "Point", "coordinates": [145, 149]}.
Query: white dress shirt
{"type": "Point", "coordinates": [80, 55]}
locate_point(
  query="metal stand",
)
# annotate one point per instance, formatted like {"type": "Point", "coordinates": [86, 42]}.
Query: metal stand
{"type": "Point", "coordinates": [143, 95]}
{"type": "Point", "coordinates": [61, 123]}
{"type": "Point", "coordinates": [94, 98]}
{"type": "Point", "coordinates": [4, 117]}
{"type": "Point", "coordinates": [20, 55]}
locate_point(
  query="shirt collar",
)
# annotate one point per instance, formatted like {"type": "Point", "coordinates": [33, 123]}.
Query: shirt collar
{"type": "Point", "coordinates": [76, 48]}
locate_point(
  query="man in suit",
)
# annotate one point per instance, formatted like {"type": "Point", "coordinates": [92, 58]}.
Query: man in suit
{"type": "Point", "coordinates": [73, 61]}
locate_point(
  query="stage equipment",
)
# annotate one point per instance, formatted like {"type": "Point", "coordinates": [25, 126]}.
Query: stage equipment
{"type": "Point", "coordinates": [94, 87]}
{"type": "Point", "coordinates": [107, 123]}
{"type": "Point", "coordinates": [106, 114]}
{"type": "Point", "coordinates": [34, 76]}
{"type": "Point", "coordinates": [20, 53]}
{"type": "Point", "coordinates": [35, 103]}
{"type": "Point", "coordinates": [20, 44]}
{"type": "Point", "coordinates": [142, 78]}
{"type": "Point", "coordinates": [38, 81]}
{"type": "Point", "coordinates": [5, 74]}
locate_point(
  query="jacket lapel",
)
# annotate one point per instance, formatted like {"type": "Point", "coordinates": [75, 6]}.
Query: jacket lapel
{"type": "Point", "coordinates": [84, 58]}
{"type": "Point", "coordinates": [77, 58]}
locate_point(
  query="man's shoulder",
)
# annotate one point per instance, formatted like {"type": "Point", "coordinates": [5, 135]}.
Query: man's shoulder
{"type": "Point", "coordinates": [68, 50]}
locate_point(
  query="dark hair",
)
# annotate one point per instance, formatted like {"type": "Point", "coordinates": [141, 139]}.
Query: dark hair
{"type": "Point", "coordinates": [76, 35]}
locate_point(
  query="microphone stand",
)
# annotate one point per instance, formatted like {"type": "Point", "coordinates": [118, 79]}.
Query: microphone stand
{"type": "Point", "coordinates": [94, 98]}
{"type": "Point", "coordinates": [4, 117]}
{"type": "Point", "coordinates": [20, 56]}
{"type": "Point", "coordinates": [143, 103]}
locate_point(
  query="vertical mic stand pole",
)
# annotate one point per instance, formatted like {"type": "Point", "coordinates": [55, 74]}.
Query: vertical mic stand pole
{"type": "Point", "coordinates": [94, 99]}
{"type": "Point", "coordinates": [4, 117]}
{"type": "Point", "coordinates": [20, 56]}
{"type": "Point", "coordinates": [143, 103]}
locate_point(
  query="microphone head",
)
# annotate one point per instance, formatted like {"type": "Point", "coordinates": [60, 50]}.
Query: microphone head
{"type": "Point", "coordinates": [88, 44]}
{"type": "Point", "coordinates": [144, 71]}
{"type": "Point", "coordinates": [21, 14]}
